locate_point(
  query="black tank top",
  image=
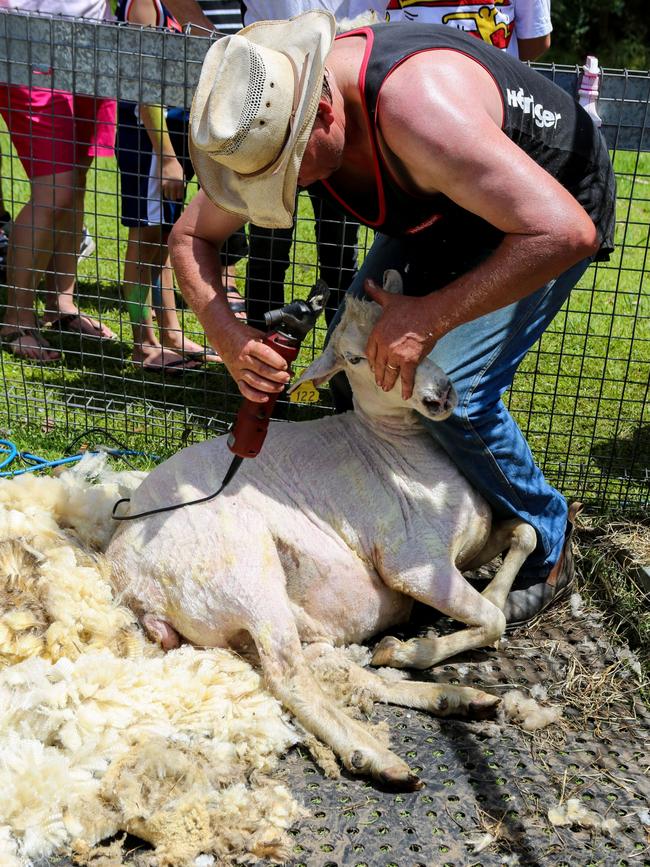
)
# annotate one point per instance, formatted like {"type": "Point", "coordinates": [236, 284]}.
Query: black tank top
{"type": "Point", "coordinates": [547, 123]}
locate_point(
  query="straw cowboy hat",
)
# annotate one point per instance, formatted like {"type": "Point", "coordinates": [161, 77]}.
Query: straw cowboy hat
{"type": "Point", "coordinates": [253, 112]}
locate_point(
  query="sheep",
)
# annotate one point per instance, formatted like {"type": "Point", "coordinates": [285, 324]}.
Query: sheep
{"type": "Point", "coordinates": [326, 539]}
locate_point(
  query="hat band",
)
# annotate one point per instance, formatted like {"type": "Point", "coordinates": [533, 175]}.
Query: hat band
{"type": "Point", "coordinates": [297, 90]}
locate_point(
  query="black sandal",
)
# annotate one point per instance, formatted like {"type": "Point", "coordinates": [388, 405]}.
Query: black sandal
{"type": "Point", "coordinates": [63, 323]}
{"type": "Point", "coordinates": [7, 340]}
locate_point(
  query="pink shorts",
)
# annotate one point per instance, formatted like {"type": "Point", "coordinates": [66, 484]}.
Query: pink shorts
{"type": "Point", "coordinates": [53, 129]}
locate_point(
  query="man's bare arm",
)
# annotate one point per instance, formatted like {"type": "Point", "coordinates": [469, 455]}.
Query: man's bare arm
{"type": "Point", "coordinates": [194, 244]}
{"type": "Point", "coordinates": [456, 147]}
{"type": "Point", "coordinates": [189, 12]}
{"type": "Point", "coordinates": [533, 48]}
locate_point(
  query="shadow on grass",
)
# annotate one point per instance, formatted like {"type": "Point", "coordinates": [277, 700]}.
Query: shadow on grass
{"type": "Point", "coordinates": [205, 391]}
{"type": "Point", "coordinates": [106, 293]}
{"type": "Point", "coordinates": [625, 456]}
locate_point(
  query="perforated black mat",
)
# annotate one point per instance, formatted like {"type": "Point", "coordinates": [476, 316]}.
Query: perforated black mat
{"type": "Point", "coordinates": [492, 778]}
{"type": "Point", "coordinates": [498, 779]}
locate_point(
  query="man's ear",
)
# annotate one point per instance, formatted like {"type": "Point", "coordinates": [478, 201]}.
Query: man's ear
{"type": "Point", "coordinates": [325, 113]}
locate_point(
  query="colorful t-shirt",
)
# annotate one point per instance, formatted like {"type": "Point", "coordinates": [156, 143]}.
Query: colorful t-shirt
{"type": "Point", "coordinates": [497, 22]}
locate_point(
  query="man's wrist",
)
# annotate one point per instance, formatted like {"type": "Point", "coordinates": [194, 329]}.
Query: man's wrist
{"type": "Point", "coordinates": [435, 317]}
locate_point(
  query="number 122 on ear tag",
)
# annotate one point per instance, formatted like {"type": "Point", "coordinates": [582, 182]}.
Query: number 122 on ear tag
{"type": "Point", "coordinates": [305, 393]}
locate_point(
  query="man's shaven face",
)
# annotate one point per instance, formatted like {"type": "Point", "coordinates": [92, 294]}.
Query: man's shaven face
{"type": "Point", "coordinates": [324, 151]}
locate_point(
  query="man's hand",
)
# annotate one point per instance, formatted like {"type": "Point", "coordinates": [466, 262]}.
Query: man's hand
{"type": "Point", "coordinates": [173, 179]}
{"type": "Point", "coordinates": [257, 369]}
{"type": "Point", "coordinates": [400, 340]}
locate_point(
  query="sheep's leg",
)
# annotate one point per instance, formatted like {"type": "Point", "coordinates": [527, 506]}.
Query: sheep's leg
{"type": "Point", "coordinates": [437, 699]}
{"type": "Point", "coordinates": [483, 612]}
{"type": "Point", "coordinates": [160, 631]}
{"type": "Point", "coordinates": [290, 679]}
{"type": "Point", "coordinates": [522, 542]}
{"type": "Point", "coordinates": [498, 541]}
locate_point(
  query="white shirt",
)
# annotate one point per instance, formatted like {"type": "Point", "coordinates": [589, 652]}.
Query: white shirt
{"type": "Point", "coordinates": [265, 10]}
{"type": "Point", "coordinates": [98, 9]}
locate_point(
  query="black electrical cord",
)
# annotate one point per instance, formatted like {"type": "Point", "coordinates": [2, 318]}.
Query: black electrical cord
{"type": "Point", "coordinates": [232, 469]}
{"type": "Point", "coordinates": [124, 450]}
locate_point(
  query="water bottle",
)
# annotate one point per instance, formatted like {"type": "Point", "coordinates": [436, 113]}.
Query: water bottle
{"type": "Point", "coordinates": [589, 87]}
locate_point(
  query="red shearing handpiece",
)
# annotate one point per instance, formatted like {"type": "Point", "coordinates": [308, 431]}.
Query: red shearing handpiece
{"type": "Point", "coordinates": [288, 326]}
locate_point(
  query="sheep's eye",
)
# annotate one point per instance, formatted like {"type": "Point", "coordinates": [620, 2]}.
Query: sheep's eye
{"type": "Point", "coordinates": [355, 359]}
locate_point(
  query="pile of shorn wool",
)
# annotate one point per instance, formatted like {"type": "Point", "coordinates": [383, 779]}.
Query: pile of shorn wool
{"type": "Point", "coordinates": [100, 732]}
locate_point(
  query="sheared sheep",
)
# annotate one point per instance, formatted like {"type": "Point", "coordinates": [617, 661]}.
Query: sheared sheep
{"type": "Point", "coordinates": [325, 539]}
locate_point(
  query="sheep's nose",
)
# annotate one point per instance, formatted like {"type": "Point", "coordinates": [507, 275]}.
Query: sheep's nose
{"type": "Point", "coordinates": [439, 403]}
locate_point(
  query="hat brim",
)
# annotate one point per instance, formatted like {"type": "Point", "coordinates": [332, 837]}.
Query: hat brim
{"type": "Point", "coordinates": [268, 199]}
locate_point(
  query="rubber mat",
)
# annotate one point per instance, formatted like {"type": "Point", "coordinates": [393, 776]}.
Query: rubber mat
{"type": "Point", "coordinates": [493, 777]}
{"type": "Point", "coordinates": [496, 778]}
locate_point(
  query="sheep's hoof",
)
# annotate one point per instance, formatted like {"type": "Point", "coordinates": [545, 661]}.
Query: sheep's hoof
{"type": "Point", "coordinates": [385, 653]}
{"type": "Point", "coordinates": [400, 778]}
{"type": "Point", "coordinates": [483, 705]}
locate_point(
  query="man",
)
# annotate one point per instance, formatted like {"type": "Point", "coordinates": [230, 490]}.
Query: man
{"type": "Point", "coordinates": [490, 190]}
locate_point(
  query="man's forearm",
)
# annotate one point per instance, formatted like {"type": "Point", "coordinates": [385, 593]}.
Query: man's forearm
{"type": "Point", "coordinates": [518, 267]}
{"type": "Point", "coordinates": [189, 12]}
{"type": "Point", "coordinates": [197, 267]}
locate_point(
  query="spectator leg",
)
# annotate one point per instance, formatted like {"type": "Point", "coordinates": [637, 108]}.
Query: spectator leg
{"type": "Point", "coordinates": [30, 251]}
{"type": "Point", "coordinates": [146, 249]}
{"type": "Point", "coordinates": [268, 260]}
{"type": "Point", "coordinates": [171, 331]}
{"type": "Point", "coordinates": [61, 275]}
{"type": "Point", "coordinates": [337, 241]}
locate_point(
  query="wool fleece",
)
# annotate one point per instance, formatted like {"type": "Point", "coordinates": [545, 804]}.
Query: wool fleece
{"type": "Point", "coordinates": [100, 732]}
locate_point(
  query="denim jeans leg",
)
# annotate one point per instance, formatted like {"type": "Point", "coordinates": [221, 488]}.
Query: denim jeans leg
{"type": "Point", "coordinates": [481, 437]}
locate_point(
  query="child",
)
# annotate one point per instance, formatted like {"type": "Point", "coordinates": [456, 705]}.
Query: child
{"type": "Point", "coordinates": [154, 169]}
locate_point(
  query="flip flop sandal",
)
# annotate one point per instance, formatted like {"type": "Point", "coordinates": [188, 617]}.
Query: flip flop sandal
{"type": "Point", "coordinates": [7, 340]}
{"type": "Point", "coordinates": [63, 323]}
{"type": "Point", "coordinates": [206, 356]}
{"type": "Point", "coordinates": [174, 366]}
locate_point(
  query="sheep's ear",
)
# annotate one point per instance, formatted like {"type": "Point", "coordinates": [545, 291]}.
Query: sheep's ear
{"type": "Point", "coordinates": [320, 370]}
{"type": "Point", "coordinates": [393, 282]}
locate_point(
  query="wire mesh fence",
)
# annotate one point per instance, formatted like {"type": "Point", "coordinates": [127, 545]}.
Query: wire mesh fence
{"type": "Point", "coordinates": [143, 368]}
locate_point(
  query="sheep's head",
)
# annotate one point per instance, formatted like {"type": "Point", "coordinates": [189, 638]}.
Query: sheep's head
{"type": "Point", "coordinates": [433, 394]}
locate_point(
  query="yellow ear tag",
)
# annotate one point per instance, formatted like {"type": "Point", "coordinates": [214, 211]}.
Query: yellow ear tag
{"type": "Point", "coordinates": [305, 393]}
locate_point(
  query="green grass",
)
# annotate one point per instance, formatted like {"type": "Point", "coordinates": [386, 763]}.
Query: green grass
{"type": "Point", "coordinates": [580, 395]}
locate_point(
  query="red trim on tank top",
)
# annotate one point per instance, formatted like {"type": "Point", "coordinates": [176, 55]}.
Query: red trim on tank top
{"type": "Point", "coordinates": [381, 216]}
{"type": "Point", "coordinates": [376, 153]}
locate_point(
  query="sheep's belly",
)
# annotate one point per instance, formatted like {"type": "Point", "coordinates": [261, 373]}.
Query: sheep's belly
{"type": "Point", "coordinates": [337, 589]}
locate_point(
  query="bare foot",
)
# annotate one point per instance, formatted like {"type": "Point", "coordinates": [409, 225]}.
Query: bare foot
{"type": "Point", "coordinates": [177, 342]}
{"type": "Point", "coordinates": [157, 359]}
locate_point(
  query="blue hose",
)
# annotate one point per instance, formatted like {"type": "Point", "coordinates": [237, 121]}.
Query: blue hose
{"type": "Point", "coordinates": [36, 463]}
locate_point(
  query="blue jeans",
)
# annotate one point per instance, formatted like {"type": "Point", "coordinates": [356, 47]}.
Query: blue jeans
{"type": "Point", "coordinates": [481, 358]}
